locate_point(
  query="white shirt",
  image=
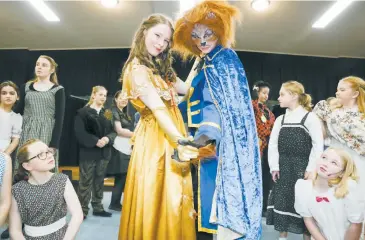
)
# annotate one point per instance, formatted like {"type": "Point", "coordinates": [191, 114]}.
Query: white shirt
{"type": "Point", "coordinates": [333, 217]}
{"type": "Point", "coordinates": [312, 123]}
{"type": "Point", "coordinates": [10, 127]}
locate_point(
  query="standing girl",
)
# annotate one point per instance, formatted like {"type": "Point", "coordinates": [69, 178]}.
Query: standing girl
{"type": "Point", "coordinates": [121, 151]}
{"type": "Point", "coordinates": [5, 186]}
{"type": "Point", "coordinates": [95, 134]}
{"type": "Point", "coordinates": [295, 144]}
{"type": "Point", "coordinates": [330, 204]}
{"type": "Point", "coordinates": [41, 202]}
{"type": "Point", "coordinates": [42, 104]}
{"type": "Point", "coordinates": [346, 121]}
{"type": "Point", "coordinates": [158, 196]}
{"type": "Point", "coordinates": [10, 130]}
{"type": "Point", "coordinates": [11, 123]}
{"type": "Point", "coordinates": [264, 121]}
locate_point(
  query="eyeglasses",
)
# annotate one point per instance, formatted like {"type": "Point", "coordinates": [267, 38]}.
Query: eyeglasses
{"type": "Point", "coordinates": [44, 155]}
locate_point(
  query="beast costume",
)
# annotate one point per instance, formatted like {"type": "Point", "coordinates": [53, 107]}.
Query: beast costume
{"type": "Point", "coordinates": [218, 106]}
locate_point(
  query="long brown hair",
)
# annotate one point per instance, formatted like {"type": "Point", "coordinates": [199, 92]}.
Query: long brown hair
{"type": "Point", "coordinates": [304, 99]}
{"type": "Point", "coordinates": [9, 84]}
{"type": "Point", "coordinates": [357, 84]}
{"type": "Point", "coordinates": [22, 157]}
{"type": "Point", "coordinates": [53, 78]}
{"type": "Point", "coordinates": [160, 64]}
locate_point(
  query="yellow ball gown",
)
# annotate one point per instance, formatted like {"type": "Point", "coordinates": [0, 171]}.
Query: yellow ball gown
{"type": "Point", "coordinates": [158, 196]}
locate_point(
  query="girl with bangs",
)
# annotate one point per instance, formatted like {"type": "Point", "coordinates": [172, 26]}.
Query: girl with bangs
{"type": "Point", "coordinates": [10, 129]}
{"type": "Point", "coordinates": [331, 203]}
{"type": "Point", "coordinates": [11, 122]}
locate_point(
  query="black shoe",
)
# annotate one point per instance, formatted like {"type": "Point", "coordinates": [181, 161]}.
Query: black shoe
{"type": "Point", "coordinates": [5, 234]}
{"type": "Point", "coordinates": [264, 214]}
{"type": "Point", "coordinates": [115, 208]}
{"type": "Point", "coordinates": [102, 214]}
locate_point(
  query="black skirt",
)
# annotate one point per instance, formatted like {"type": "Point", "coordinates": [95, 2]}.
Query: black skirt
{"type": "Point", "coordinates": [118, 163]}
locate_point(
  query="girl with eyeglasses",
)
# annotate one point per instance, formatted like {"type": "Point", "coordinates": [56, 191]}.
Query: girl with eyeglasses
{"type": "Point", "coordinates": [41, 202]}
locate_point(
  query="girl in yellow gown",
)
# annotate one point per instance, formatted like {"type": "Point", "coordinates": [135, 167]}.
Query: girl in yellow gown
{"type": "Point", "coordinates": [158, 196]}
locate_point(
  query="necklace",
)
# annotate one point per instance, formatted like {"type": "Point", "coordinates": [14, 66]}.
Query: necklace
{"type": "Point", "coordinates": [262, 110]}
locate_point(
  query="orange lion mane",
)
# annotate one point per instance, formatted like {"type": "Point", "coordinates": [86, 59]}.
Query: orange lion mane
{"type": "Point", "coordinates": [217, 15]}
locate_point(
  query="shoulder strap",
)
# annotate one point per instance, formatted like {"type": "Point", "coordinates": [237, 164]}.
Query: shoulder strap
{"type": "Point", "coordinates": [304, 118]}
{"type": "Point", "coordinates": [282, 120]}
{"type": "Point", "coordinates": [27, 86]}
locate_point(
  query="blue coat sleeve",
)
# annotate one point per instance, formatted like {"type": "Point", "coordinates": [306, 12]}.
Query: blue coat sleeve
{"type": "Point", "coordinates": [211, 122]}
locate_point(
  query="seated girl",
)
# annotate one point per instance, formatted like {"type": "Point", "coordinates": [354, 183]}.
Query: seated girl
{"type": "Point", "coordinates": [42, 200]}
{"type": "Point", "coordinates": [330, 204]}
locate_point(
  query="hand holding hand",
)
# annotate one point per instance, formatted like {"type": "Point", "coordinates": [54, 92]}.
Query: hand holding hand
{"type": "Point", "coordinates": [100, 143]}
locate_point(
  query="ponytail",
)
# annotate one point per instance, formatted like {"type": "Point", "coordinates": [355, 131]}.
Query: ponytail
{"type": "Point", "coordinates": [305, 100]}
{"type": "Point", "coordinates": [94, 90]}
{"type": "Point", "coordinates": [22, 157]}
{"type": "Point", "coordinates": [21, 175]}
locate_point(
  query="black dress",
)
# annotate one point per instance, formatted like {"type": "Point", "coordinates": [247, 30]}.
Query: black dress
{"type": "Point", "coordinates": [118, 165]}
{"type": "Point", "coordinates": [294, 146]}
{"type": "Point", "coordinates": [119, 161]}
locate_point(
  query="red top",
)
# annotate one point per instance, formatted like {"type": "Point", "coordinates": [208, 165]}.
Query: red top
{"type": "Point", "coordinates": [264, 121]}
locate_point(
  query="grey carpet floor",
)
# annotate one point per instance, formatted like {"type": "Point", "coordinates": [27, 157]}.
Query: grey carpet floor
{"type": "Point", "coordinates": [96, 228]}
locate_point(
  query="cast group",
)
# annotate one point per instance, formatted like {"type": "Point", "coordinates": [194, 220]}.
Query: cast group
{"type": "Point", "coordinates": [200, 160]}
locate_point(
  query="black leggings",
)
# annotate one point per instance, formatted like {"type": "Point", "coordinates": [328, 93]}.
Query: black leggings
{"type": "Point", "coordinates": [119, 183]}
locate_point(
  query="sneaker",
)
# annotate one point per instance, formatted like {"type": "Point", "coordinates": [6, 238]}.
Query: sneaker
{"type": "Point", "coordinates": [115, 208]}
{"type": "Point", "coordinates": [102, 214]}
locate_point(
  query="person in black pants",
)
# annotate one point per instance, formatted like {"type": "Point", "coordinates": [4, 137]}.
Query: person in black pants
{"type": "Point", "coordinates": [95, 135]}
{"type": "Point", "coordinates": [118, 165]}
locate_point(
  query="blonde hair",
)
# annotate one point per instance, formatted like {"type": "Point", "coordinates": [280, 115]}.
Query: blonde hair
{"type": "Point", "coordinates": [349, 172]}
{"type": "Point", "coordinates": [94, 90]}
{"type": "Point", "coordinates": [304, 99]}
{"type": "Point", "coordinates": [53, 78]}
{"type": "Point", "coordinates": [161, 64]}
{"type": "Point", "coordinates": [357, 84]}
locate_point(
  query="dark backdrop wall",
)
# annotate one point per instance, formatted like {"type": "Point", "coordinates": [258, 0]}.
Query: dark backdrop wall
{"type": "Point", "coordinates": [80, 70]}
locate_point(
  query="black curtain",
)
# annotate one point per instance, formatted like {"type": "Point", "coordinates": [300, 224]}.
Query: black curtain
{"type": "Point", "coordinates": [80, 70]}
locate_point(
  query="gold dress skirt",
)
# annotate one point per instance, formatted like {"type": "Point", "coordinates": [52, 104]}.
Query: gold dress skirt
{"type": "Point", "coordinates": [158, 196]}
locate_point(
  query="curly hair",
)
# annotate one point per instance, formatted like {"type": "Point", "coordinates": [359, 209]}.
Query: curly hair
{"type": "Point", "coordinates": [161, 64]}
